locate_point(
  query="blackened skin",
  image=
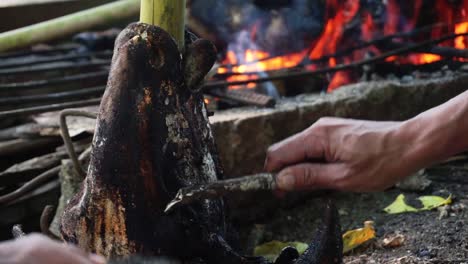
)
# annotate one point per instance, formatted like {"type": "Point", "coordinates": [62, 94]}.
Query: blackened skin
{"type": "Point", "coordinates": [152, 138]}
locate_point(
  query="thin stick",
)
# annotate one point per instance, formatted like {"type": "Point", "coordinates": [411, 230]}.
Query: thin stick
{"type": "Point", "coordinates": [381, 57]}
{"type": "Point", "coordinates": [167, 14]}
{"type": "Point", "coordinates": [256, 182]}
{"type": "Point", "coordinates": [67, 139]}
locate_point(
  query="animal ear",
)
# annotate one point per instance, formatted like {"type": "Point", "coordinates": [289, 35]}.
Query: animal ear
{"type": "Point", "coordinates": [199, 58]}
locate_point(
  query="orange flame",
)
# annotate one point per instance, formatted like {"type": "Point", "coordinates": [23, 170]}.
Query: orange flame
{"type": "Point", "coordinates": [338, 15]}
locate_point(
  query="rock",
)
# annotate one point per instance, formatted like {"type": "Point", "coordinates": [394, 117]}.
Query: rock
{"type": "Point", "coordinates": [416, 182]}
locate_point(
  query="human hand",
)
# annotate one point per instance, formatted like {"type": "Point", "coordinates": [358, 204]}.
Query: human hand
{"type": "Point", "coordinates": [39, 249]}
{"type": "Point", "coordinates": [343, 154]}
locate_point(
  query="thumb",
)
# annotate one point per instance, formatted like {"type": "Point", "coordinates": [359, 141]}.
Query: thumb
{"type": "Point", "coordinates": [308, 176]}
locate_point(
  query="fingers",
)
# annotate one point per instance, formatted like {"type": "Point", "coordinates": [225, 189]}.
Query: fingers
{"type": "Point", "coordinates": [308, 176]}
{"type": "Point", "coordinates": [80, 256]}
{"type": "Point", "coordinates": [97, 259]}
{"type": "Point", "coordinates": [36, 248]}
{"type": "Point", "coordinates": [300, 147]}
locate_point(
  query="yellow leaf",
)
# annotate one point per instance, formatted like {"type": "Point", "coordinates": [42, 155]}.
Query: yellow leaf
{"type": "Point", "coordinates": [272, 249]}
{"type": "Point", "coordinates": [431, 202]}
{"type": "Point", "coordinates": [356, 237]}
{"type": "Point", "coordinates": [399, 206]}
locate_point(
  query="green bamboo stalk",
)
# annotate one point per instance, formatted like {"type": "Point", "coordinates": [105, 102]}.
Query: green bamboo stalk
{"type": "Point", "coordinates": [69, 24]}
{"type": "Point", "coordinates": [167, 14]}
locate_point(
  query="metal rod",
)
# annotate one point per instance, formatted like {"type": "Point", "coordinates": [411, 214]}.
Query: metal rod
{"type": "Point", "coordinates": [100, 76]}
{"type": "Point", "coordinates": [21, 63]}
{"type": "Point", "coordinates": [46, 218]}
{"type": "Point", "coordinates": [48, 108]}
{"type": "Point", "coordinates": [52, 97]}
{"type": "Point", "coordinates": [280, 75]}
{"type": "Point", "coordinates": [346, 51]}
{"type": "Point", "coordinates": [36, 52]}
{"type": "Point", "coordinates": [67, 139]}
{"type": "Point", "coordinates": [75, 66]}
{"type": "Point", "coordinates": [30, 185]}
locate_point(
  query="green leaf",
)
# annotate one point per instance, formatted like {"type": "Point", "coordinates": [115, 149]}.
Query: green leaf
{"type": "Point", "coordinates": [272, 249]}
{"type": "Point", "coordinates": [431, 202]}
{"type": "Point", "coordinates": [399, 206]}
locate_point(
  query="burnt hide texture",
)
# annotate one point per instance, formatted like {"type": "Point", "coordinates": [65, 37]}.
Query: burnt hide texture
{"type": "Point", "coordinates": [152, 138]}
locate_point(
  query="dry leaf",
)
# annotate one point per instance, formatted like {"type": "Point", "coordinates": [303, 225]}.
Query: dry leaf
{"type": "Point", "coordinates": [354, 238]}
{"type": "Point", "coordinates": [351, 240]}
{"type": "Point", "coordinates": [393, 240]}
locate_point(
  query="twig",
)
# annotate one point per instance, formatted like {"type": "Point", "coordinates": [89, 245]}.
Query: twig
{"type": "Point", "coordinates": [46, 218]}
{"type": "Point", "coordinates": [17, 231]}
{"type": "Point", "coordinates": [48, 108]}
{"type": "Point", "coordinates": [256, 182]}
{"type": "Point", "coordinates": [30, 185]}
{"type": "Point", "coordinates": [280, 76]}
{"type": "Point", "coordinates": [67, 139]}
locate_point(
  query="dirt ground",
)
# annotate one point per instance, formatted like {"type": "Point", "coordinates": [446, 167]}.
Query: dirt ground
{"type": "Point", "coordinates": [429, 238]}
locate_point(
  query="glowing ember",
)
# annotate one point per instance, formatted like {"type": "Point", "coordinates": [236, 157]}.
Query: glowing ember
{"type": "Point", "coordinates": [461, 42]}
{"type": "Point", "coordinates": [248, 63]}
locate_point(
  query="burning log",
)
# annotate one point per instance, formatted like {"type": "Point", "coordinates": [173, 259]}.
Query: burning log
{"type": "Point", "coordinates": [152, 138]}
{"type": "Point", "coordinates": [339, 67]}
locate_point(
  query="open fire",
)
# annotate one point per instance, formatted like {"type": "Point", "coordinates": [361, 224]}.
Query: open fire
{"type": "Point", "coordinates": [349, 32]}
